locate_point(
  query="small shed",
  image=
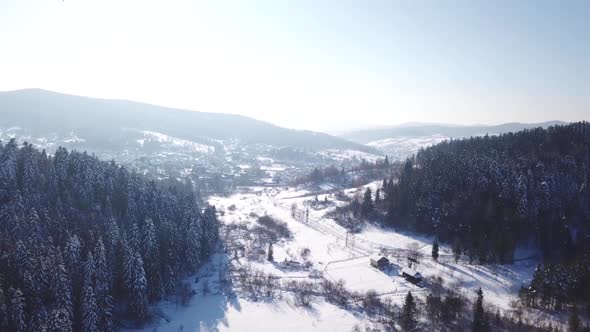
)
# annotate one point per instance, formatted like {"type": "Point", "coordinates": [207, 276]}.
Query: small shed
{"type": "Point", "coordinates": [411, 275]}
{"type": "Point", "coordinates": [291, 265]}
{"type": "Point", "coordinates": [379, 262]}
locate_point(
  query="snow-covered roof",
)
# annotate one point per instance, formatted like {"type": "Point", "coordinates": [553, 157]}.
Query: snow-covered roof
{"type": "Point", "coordinates": [377, 258]}
{"type": "Point", "coordinates": [411, 272]}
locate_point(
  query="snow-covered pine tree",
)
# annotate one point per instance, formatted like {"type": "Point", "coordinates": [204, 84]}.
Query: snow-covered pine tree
{"type": "Point", "coordinates": [56, 208]}
{"type": "Point", "coordinates": [89, 270]}
{"type": "Point", "coordinates": [59, 321]}
{"type": "Point", "coordinates": [61, 288]}
{"type": "Point", "coordinates": [17, 310]}
{"type": "Point", "coordinates": [104, 300]}
{"type": "Point", "coordinates": [3, 307]}
{"type": "Point", "coordinates": [73, 259]}
{"type": "Point", "coordinates": [89, 308]}
{"type": "Point", "coordinates": [193, 245]}
{"type": "Point", "coordinates": [136, 285]}
{"type": "Point", "coordinates": [151, 260]}
{"type": "Point", "coordinates": [39, 320]}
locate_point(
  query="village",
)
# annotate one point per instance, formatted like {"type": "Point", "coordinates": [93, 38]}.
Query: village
{"type": "Point", "coordinates": [283, 253]}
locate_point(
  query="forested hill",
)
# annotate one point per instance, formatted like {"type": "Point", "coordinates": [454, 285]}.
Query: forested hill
{"type": "Point", "coordinates": [80, 237]}
{"type": "Point", "coordinates": [425, 130]}
{"type": "Point", "coordinates": [105, 122]}
{"type": "Point", "coordinates": [486, 195]}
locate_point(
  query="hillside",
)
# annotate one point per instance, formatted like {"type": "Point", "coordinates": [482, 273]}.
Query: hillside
{"type": "Point", "coordinates": [402, 141]}
{"type": "Point", "coordinates": [112, 123]}
{"type": "Point", "coordinates": [488, 196]}
{"type": "Point", "coordinates": [365, 136]}
{"type": "Point", "coordinates": [473, 190]}
{"type": "Point", "coordinates": [87, 245]}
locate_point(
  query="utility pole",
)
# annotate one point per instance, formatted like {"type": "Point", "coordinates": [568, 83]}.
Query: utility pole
{"type": "Point", "coordinates": [346, 241]}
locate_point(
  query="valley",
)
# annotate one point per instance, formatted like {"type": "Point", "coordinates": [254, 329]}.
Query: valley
{"type": "Point", "coordinates": [319, 249]}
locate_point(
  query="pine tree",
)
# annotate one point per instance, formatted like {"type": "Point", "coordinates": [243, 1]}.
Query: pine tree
{"type": "Point", "coordinates": [17, 310]}
{"type": "Point", "coordinates": [480, 323]}
{"type": "Point", "coordinates": [193, 247]}
{"type": "Point", "coordinates": [61, 287]}
{"type": "Point", "coordinates": [59, 321]}
{"type": "Point", "coordinates": [574, 324]}
{"type": "Point", "coordinates": [23, 259]}
{"type": "Point", "coordinates": [56, 208]}
{"type": "Point", "coordinates": [408, 319]}
{"type": "Point", "coordinates": [134, 240]}
{"type": "Point", "coordinates": [104, 300]}
{"type": "Point", "coordinates": [151, 260]}
{"type": "Point", "coordinates": [39, 320]}
{"type": "Point", "coordinates": [435, 251]}
{"type": "Point", "coordinates": [270, 256]}
{"type": "Point", "coordinates": [72, 260]}
{"type": "Point", "coordinates": [3, 308]}
{"type": "Point", "coordinates": [89, 309]}
{"type": "Point", "coordinates": [89, 270]}
{"type": "Point", "coordinates": [136, 285]}
{"type": "Point", "coordinates": [367, 206]}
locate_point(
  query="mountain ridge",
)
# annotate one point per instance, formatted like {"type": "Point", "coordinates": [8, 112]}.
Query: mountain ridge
{"type": "Point", "coordinates": [44, 112]}
{"type": "Point", "coordinates": [365, 136]}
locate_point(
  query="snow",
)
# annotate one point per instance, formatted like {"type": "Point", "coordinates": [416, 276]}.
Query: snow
{"type": "Point", "coordinates": [73, 138]}
{"type": "Point", "coordinates": [341, 155]}
{"type": "Point", "coordinates": [408, 142]}
{"type": "Point", "coordinates": [219, 313]}
{"type": "Point", "coordinates": [177, 142]}
{"type": "Point", "coordinates": [337, 256]}
{"type": "Point", "coordinates": [400, 148]}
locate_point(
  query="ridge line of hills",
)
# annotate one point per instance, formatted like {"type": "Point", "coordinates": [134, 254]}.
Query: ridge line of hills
{"type": "Point", "coordinates": [46, 112]}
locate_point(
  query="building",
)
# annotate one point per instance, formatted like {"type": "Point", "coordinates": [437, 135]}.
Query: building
{"type": "Point", "coordinates": [379, 262]}
{"type": "Point", "coordinates": [411, 275]}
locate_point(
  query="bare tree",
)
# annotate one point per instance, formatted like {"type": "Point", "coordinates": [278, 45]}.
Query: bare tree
{"type": "Point", "coordinates": [414, 254]}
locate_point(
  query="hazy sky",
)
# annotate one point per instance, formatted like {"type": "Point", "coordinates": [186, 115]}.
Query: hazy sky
{"type": "Point", "coordinates": [315, 64]}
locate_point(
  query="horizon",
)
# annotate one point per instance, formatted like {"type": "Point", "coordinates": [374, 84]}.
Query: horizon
{"type": "Point", "coordinates": [335, 132]}
{"type": "Point", "coordinates": [328, 67]}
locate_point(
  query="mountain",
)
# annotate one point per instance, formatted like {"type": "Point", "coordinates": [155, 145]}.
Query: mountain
{"type": "Point", "coordinates": [109, 123]}
{"type": "Point", "coordinates": [365, 136]}
{"type": "Point", "coordinates": [402, 141]}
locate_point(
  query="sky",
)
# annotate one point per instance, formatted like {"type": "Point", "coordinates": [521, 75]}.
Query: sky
{"type": "Point", "coordinates": [325, 65]}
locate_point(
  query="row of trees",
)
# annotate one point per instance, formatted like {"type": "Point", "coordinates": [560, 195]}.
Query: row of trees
{"type": "Point", "coordinates": [81, 238]}
{"type": "Point", "coordinates": [363, 172]}
{"type": "Point", "coordinates": [555, 286]}
{"type": "Point", "coordinates": [487, 195]}
{"type": "Point", "coordinates": [491, 193]}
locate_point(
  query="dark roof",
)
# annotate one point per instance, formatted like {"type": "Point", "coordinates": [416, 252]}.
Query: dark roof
{"type": "Point", "coordinates": [379, 258]}
{"type": "Point", "coordinates": [411, 272]}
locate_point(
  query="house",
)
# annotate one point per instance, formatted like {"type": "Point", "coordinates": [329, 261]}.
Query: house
{"type": "Point", "coordinates": [411, 275]}
{"type": "Point", "coordinates": [379, 262]}
{"type": "Point", "coordinates": [291, 265]}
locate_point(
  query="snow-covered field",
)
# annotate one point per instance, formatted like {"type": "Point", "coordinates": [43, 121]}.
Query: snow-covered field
{"type": "Point", "coordinates": [400, 148]}
{"type": "Point", "coordinates": [340, 155]}
{"type": "Point", "coordinates": [174, 141]}
{"type": "Point", "coordinates": [335, 255]}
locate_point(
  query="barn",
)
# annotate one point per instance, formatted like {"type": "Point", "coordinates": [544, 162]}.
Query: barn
{"type": "Point", "coordinates": [379, 262]}
{"type": "Point", "coordinates": [411, 275]}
